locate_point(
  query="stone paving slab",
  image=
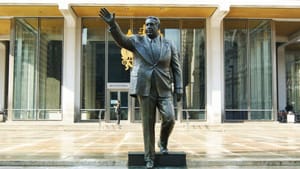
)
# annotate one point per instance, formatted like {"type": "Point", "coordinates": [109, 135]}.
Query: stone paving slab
{"type": "Point", "coordinates": [206, 145]}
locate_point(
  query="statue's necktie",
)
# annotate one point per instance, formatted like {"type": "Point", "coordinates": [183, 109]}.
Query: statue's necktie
{"type": "Point", "coordinates": [155, 49]}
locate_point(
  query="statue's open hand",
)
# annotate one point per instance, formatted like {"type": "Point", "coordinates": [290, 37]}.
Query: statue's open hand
{"type": "Point", "coordinates": [107, 16]}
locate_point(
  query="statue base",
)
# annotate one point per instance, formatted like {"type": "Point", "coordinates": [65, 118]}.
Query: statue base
{"type": "Point", "coordinates": [173, 159]}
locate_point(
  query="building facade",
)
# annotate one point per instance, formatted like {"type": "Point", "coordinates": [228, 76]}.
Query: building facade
{"type": "Point", "coordinates": [59, 63]}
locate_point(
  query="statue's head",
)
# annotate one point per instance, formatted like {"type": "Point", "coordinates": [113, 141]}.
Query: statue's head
{"type": "Point", "coordinates": [152, 26]}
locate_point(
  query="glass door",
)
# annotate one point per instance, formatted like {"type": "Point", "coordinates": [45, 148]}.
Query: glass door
{"type": "Point", "coordinates": [123, 97]}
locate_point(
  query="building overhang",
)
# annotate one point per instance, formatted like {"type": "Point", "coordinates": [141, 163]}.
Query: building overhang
{"type": "Point", "coordinates": [263, 13]}
{"type": "Point", "coordinates": [284, 11]}
{"type": "Point", "coordinates": [5, 28]}
{"type": "Point", "coordinates": [17, 10]}
{"type": "Point", "coordinates": [29, 11]}
{"type": "Point", "coordinates": [144, 11]}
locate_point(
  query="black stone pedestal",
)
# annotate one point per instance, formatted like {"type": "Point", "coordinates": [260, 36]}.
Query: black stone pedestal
{"type": "Point", "coordinates": [173, 159]}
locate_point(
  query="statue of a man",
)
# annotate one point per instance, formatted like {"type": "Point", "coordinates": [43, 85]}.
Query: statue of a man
{"type": "Point", "coordinates": [156, 66]}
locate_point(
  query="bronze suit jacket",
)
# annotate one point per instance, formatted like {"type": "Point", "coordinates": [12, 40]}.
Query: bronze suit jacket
{"type": "Point", "coordinates": [166, 68]}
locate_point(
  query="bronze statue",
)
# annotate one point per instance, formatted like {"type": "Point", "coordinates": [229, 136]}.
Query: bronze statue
{"type": "Point", "coordinates": [156, 65]}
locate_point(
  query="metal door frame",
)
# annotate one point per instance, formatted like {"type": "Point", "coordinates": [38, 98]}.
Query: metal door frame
{"type": "Point", "coordinates": [117, 87]}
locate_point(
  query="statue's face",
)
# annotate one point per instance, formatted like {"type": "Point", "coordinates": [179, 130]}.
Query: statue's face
{"type": "Point", "coordinates": [152, 28]}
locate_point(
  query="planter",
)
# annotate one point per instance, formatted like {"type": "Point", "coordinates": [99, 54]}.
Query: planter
{"type": "Point", "coordinates": [291, 117]}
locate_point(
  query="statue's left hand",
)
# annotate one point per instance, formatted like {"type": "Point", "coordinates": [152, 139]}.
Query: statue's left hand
{"type": "Point", "coordinates": [107, 16]}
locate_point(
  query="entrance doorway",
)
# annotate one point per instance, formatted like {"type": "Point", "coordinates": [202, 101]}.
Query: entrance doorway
{"type": "Point", "coordinates": [123, 97]}
{"type": "Point", "coordinates": [288, 68]}
{"type": "Point", "coordinates": [292, 71]}
{"type": "Point", "coordinates": [129, 105]}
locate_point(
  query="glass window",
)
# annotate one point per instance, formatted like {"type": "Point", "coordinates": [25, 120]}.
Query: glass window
{"type": "Point", "coordinates": [26, 44]}
{"type": "Point", "coordinates": [92, 68]}
{"type": "Point", "coordinates": [260, 69]}
{"type": "Point", "coordinates": [116, 71]}
{"type": "Point", "coordinates": [38, 64]}
{"type": "Point", "coordinates": [236, 66]}
{"type": "Point", "coordinates": [50, 67]}
{"type": "Point", "coordinates": [248, 69]}
{"type": "Point", "coordinates": [193, 58]}
{"type": "Point", "coordinates": [171, 31]}
{"type": "Point", "coordinates": [292, 53]}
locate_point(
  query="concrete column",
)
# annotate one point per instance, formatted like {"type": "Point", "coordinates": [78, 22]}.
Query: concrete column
{"type": "Point", "coordinates": [215, 65]}
{"type": "Point", "coordinates": [281, 78]}
{"type": "Point", "coordinates": [70, 56]}
{"type": "Point", "coordinates": [2, 75]}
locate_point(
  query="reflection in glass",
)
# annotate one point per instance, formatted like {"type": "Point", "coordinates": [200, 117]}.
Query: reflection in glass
{"type": "Point", "coordinates": [193, 58]}
{"type": "Point", "coordinates": [292, 53]}
{"type": "Point", "coordinates": [92, 68]}
{"type": "Point", "coordinates": [26, 43]}
{"type": "Point", "coordinates": [50, 68]}
{"type": "Point", "coordinates": [260, 69]}
{"type": "Point", "coordinates": [116, 71]}
{"type": "Point", "coordinates": [37, 69]}
{"type": "Point", "coordinates": [248, 69]}
{"type": "Point", "coordinates": [236, 66]}
{"type": "Point", "coordinates": [124, 105]}
{"type": "Point", "coordinates": [113, 102]}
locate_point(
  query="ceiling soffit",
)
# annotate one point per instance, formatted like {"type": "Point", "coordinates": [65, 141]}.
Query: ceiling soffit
{"type": "Point", "coordinates": [144, 11]}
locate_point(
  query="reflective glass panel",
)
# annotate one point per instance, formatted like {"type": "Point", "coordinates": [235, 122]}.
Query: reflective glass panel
{"type": "Point", "coordinates": [260, 69]}
{"type": "Point", "coordinates": [248, 69]}
{"type": "Point", "coordinates": [25, 66]}
{"type": "Point", "coordinates": [124, 105]}
{"type": "Point", "coordinates": [292, 53]}
{"type": "Point", "coordinates": [236, 65]}
{"type": "Point", "coordinates": [116, 71]}
{"type": "Point", "coordinates": [193, 68]}
{"type": "Point", "coordinates": [37, 69]}
{"type": "Point", "coordinates": [92, 68]}
{"type": "Point", "coordinates": [50, 68]}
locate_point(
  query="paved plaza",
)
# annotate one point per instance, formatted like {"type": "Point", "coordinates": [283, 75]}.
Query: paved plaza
{"type": "Point", "coordinates": [263, 145]}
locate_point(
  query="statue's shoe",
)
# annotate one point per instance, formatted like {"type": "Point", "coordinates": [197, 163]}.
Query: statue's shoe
{"type": "Point", "coordinates": [162, 149]}
{"type": "Point", "coordinates": [149, 164]}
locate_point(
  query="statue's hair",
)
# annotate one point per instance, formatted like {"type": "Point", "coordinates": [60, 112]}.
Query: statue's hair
{"type": "Point", "coordinates": [156, 19]}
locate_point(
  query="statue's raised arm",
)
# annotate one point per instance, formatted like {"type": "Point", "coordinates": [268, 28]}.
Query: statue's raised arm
{"type": "Point", "coordinates": [107, 16]}
{"type": "Point", "coordinates": [121, 39]}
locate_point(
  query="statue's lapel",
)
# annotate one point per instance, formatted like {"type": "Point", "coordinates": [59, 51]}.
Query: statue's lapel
{"type": "Point", "coordinates": [161, 48]}
{"type": "Point", "coordinates": [144, 49]}
{"type": "Point", "coordinates": [164, 47]}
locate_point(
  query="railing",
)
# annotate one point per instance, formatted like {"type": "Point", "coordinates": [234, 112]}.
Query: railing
{"type": "Point", "coordinates": [248, 114]}
{"type": "Point", "coordinates": [199, 113]}
{"type": "Point", "coordinates": [36, 114]}
{"type": "Point", "coordinates": [87, 117]}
